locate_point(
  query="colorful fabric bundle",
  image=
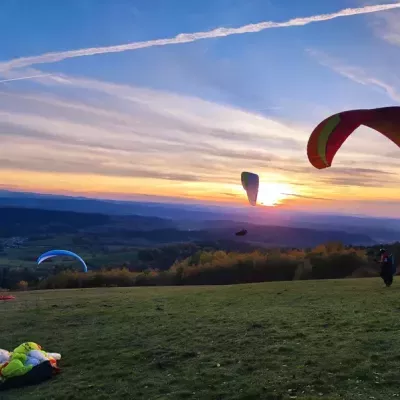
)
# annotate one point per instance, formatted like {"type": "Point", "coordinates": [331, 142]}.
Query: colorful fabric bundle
{"type": "Point", "coordinates": [28, 364]}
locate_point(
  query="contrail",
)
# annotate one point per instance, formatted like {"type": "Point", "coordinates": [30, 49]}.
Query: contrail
{"type": "Point", "coordinates": [306, 197]}
{"type": "Point", "coordinates": [190, 37]}
{"type": "Point", "coordinates": [24, 77]}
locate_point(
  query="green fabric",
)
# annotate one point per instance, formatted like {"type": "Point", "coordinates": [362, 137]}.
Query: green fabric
{"type": "Point", "coordinates": [18, 358]}
{"type": "Point", "coordinates": [15, 368]}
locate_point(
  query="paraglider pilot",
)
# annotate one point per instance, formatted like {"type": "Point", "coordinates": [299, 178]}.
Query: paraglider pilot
{"type": "Point", "coordinates": [386, 267]}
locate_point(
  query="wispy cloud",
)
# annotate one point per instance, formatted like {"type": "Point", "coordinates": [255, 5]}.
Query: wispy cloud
{"type": "Point", "coordinates": [136, 140]}
{"type": "Point", "coordinates": [356, 74]}
{"type": "Point", "coordinates": [191, 37]}
{"type": "Point", "coordinates": [361, 172]}
{"type": "Point", "coordinates": [134, 132]}
{"type": "Point", "coordinates": [302, 196]}
{"type": "Point", "coordinates": [24, 77]}
{"type": "Point", "coordinates": [361, 177]}
{"type": "Point", "coordinates": [387, 27]}
{"type": "Point", "coordinates": [360, 182]}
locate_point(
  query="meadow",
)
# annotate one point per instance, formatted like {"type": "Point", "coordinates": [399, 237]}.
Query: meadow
{"type": "Point", "coordinates": [331, 339]}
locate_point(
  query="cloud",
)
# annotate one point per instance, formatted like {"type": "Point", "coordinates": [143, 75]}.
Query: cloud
{"type": "Point", "coordinates": [307, 197]}
{"type": "Point", "coordinates": [40, 164]}
{"type": "Point", "coordinates": [355, 74]}
{"type": "Point", "coordinates": [362, 172]}
{"type": "Point", "coordinates": [191, 37]}
{"type": "Point", "coordinates": [361, 177]}
{"type": "Point", "coordinates": [392, 154]}
{"type": "Point", "coordinates": [134, 139]}
{"type": "Point", "coordinates": [387, 27]}
{"type": "Point", "coordinates": [275, 142]}
{"type": "Point", "coordinates": [24, 77]}
{"type": "Point", "coordinates": [301, 196]}
{"type": "Point", "coordinates": [359, 182]}
{"type": "Point", "coordinates": [118, 130]}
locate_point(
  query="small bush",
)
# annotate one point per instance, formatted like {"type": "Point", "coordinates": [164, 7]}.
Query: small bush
{"type": "Point", "coordinates": [22, 285]}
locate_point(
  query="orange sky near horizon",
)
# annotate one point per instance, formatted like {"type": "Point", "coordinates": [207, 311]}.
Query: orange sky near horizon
{"type": "Point", "coordinates": [133, 141]}
{"type": "Point", "coordinates": [90, 185]}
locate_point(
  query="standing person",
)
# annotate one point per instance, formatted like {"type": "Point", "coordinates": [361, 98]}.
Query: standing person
{"type": "Point", "coordinates": [386, 267]}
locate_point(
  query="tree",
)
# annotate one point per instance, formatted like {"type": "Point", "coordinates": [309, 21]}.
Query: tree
{"type": "Point", "coordinates": [22, 285]}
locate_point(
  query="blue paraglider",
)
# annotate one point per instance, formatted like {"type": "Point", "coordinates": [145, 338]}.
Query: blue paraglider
{"type": "Point", "coordinates": [55, 253]}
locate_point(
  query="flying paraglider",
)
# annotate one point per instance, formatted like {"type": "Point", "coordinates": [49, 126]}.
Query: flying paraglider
{"type": "Point", "coordinates": [250, 183]}
{"type": "Point", "coordinates": [330, 134]}
{"type": "Point", "coordinates": [243, 232]}
{"type": "Point", "coordinates": [55, 253]}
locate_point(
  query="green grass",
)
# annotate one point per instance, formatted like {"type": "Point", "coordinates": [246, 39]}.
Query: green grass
{"type": "Point", "coordinates": [27, 254]}
{"type": "Point", "coordinates": [18, 257]}
{"type": "Point", "coordinates": [308, 340]}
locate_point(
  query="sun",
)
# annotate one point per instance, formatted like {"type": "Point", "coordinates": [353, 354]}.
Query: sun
{"type": "Point", "coordinates": [272, 194]}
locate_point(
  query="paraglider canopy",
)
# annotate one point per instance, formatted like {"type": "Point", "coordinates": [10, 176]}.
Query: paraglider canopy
{"type": "Point", "coordinates": [7, 298]}
{"type": "Point", "coordinates": [330, 134]}
{"type": "Point", "coordinates": [241, 233]}
{"type": "Point", "coordinates": [55, 253]}
{"type": "Point", "coordinates": [250, 183]}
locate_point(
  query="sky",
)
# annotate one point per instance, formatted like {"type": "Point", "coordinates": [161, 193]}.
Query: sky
{"type": "Point", "coordinates": [125, 99]}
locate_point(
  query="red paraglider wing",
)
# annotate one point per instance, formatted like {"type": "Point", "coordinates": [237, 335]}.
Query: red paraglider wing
{"type": "Point", "coordinates": [386, 121]}
{"type": "Point", "coordinates": [330, 134]}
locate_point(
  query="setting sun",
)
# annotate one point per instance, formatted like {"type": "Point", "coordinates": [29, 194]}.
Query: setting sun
{"type": "Point", "coordinates": [271, 194]}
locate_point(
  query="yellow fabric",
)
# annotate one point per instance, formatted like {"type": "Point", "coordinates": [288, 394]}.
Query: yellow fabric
{"type": "Point", "coordinates": [26, 347]}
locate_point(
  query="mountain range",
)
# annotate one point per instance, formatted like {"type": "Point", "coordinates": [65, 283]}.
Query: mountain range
{"type": "Point", "coordinates": [24, 214]}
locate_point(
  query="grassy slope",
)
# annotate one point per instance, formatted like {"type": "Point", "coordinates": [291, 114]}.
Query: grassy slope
{"type": "Point", "coordinates": [263, 341]}
{"type": "Point", "coordinates": [17, 257]}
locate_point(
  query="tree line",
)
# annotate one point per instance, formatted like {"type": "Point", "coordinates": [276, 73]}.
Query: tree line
{"type": "Point", "coordinates": [208, 266]}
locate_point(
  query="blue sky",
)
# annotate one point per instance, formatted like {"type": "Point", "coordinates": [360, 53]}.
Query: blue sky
{"type": "Point", "coordinates": [185, 119]}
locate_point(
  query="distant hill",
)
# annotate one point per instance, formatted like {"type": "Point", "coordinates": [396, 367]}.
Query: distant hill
{"type": "Point", "coordinates": [283, 236]}
{"type": "Point", "coordinates": [22, 221]}
{"type": "Point", "coordinates": [136, 230]}
{"type": "Point", "coordinates": [108, 207]}
{"type": "Point", "coordinates": [206, 217]}
{"type": "Point", "coordinates": [16, 221]}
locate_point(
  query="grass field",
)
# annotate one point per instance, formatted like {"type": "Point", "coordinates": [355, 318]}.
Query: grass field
{"type": "Point", "coordinates": [303, 340]}
{"type": "Point", "coordinates": [26, 255]}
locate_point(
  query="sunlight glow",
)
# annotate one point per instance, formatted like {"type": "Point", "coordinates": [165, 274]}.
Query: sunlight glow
{"type": "Point", "coordinates": [272, 194]}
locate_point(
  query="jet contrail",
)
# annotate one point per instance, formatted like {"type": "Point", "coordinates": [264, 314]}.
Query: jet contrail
{"type": "Point", "coordinates": [190, 37]}
{"type": "Point", "coordinates": [306, 197]}
{"type": "Point", "coordinates": [24, 77]}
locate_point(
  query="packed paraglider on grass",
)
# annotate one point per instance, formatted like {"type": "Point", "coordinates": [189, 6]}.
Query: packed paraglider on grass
{"type": "Point", "coordinates": [26, 365]}
{"type": "Point", "coordinates": [6, 297]}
